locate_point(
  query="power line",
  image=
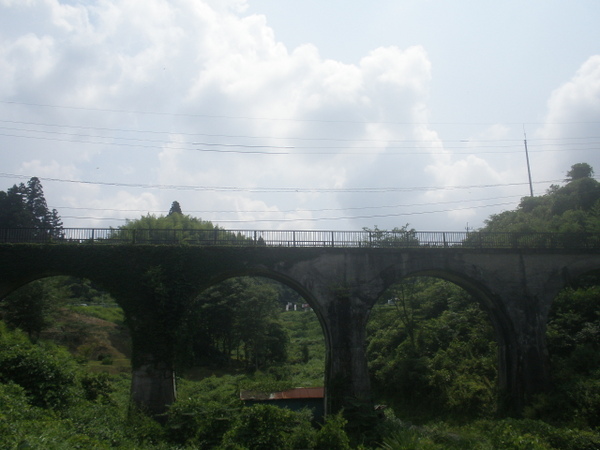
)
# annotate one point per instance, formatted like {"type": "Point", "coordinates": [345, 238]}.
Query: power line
{"type": "Point", "coordinates": [410, 205]}
{"type": "Point", "coordinates": [365, 190]}
{"type": "Point", "coordinates": [287, 138]}
{"type": "Point", "coordinates": [277, 119]}
{"type": "Point", "coordinates": [251, 149]}
{"type": "Point", "coordinates": [314, 219]}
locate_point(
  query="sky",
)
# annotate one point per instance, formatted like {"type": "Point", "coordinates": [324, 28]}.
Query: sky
{"type": "Point", "coordinates": [263, 114]}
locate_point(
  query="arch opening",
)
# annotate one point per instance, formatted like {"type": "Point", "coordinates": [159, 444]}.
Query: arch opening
{"type": "Point", "coordinates": [257, 332]}
{"type": "Point", "coordinates": [433, 351]}
{"type": "Point", "coordinates": [573, 342]}
{"type": "Point", "coordinates": [75, 313]}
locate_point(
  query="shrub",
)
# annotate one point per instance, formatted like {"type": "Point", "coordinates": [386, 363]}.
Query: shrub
{"type": "Point", "coordinates": [332, 436]}
{"type": "Point", "coordinates": [46, 373]}
{"type": "Point", "coordinates": [265, 427]}
{"type": "Point", "coordinates": [198, 422]}
{"type": "Point", "coordinates": [96, 386]}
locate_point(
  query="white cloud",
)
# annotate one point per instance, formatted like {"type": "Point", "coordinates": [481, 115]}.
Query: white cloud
{"type": "Point", "coordinates": [572, 121]}
{"type": "Point", "coordinates": [190, 92]}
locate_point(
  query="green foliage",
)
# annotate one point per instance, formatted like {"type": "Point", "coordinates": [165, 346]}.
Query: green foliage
{"type": "Point", "coordinates": [408, 439]}
{"type": "Point", "coordinates": [238, 319]}
{"type": "Point", "coordinates": [175, 208]}
{"type": "Point", "coordinates": [96, 386]}
{"type": "Point", "coordinates": [263, 427]}
{"type": "Point", "coordinates": [47, 373]}
{"type": "Point", "coordinates": [30, 308]}
{"type": "Point", "coordinates": [488, 434]}
{"type": "Point", "coordinates": [573, 335]}
{"type": "Point", "coordinates": [332, 436]}
{"type": "Point", "coordinates": [572, 208]}
{"type": "Point", "coordinates": [306, 361]}
{"type": "Point", "coordinates": [580, 170]}
{"type": "Point", "coordinates": [46, 402]}
{"type": "Point", "coordinates": [112, 314]}
{"type": "Point", "coordinates": [203, 411]}
{"type": "Point", "coordinates": [385, 238]}
{"type": "Point", "coordinates": [174, 228]}
{"type": "Point", "coordinates": [170, 222]}
{"type": "Point", "coordinates": [431, 352]}
{"type": "Point", "coordinates": [24, 206]}
{"type": "Point", "coordinates": [83, 291]}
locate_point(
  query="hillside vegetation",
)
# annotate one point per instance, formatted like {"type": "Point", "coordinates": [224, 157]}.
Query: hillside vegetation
{"type": "Point", "coordinates": [64, 361]}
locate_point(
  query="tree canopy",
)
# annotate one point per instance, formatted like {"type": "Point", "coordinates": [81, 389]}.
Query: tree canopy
{"type": "Point", "coordinates": [574, 207]}
{"type": "Point", "coordinates": [580, 170]}
{"type": "Point", "coordinates": [24, 206]}
{"type": "Point", "coordinates": [175, 208]}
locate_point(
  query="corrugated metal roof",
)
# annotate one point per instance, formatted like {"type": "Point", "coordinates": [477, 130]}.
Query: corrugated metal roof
{"type": "Point", "coordinates": [317, 392]}
{"type": "Point", "coordinates": [299, 393]}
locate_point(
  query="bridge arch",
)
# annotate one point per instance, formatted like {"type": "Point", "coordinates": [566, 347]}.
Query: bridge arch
{"type": "Point", "coordinates": [263, 273]}
{"type": "Point", "coordinates": [9, 286]}
{"type": "Point", "coordinates": [490, 302]}
{"type": "Point", "coordinates": [492, 306]}
{"type": "Point", "coordinates": [517, 283]}
{"type": "Point", "coordinates": [289, 281]}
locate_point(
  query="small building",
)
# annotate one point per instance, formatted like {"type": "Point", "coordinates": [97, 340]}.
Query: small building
{"type": "Point", "coordinates": [293, 399]}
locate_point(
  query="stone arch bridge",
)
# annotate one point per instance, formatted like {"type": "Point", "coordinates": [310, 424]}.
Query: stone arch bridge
{"type": "Point", "coordinates": [155, 277]}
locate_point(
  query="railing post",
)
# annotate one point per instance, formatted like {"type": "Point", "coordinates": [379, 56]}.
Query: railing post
{"type": "Point", "coordinates": [133, 237]}
{"type": "Point", "coordinates": [444, 238]}
{"type": "Point", "coordinates": [255, 239]}
{"type": "Point", "coordinates": [294, 237]}
{"type": "Point", "coordinates": [93, 235]}
{"type": "Point", "coordinates": [332, 239]}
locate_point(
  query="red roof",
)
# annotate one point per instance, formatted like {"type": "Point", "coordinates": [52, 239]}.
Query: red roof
{"type": "Point", "coordinates": [314, 392]}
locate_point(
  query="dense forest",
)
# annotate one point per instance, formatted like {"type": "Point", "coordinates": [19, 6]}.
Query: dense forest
{"type": "Point", "coordinates": [64, 356]}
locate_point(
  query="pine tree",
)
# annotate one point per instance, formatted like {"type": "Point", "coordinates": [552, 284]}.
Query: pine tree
{"type": "Point", "coordinates": [175, 208]}
{"type": "Point", "coordinates": [24, 206]}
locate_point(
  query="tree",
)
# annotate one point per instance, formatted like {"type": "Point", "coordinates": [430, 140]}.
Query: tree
{"type": "Point", "coordinates": [580, 170]}
{"type": "Point", "coordinates": [31, 307]}
{"type": "Point", "coordinates": [432, 351]}
{"type": "Point", "coordinates": [399, 236]}
{"type": "Point", "coordinates": [574, 207]}
{"type": "Point", "coordinates": [238, 318]}
{"type": "Point", "coordinates": [573, 329]}
{"type": "Point", "coordinates": [175, 209]}
{"type": "Point", "coordinates": [24, 206]}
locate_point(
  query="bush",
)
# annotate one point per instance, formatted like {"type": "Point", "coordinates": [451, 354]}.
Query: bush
{"type": "Point", "coordinates": [264, 427]}
{"type": "Point", "coordinates": [96, 386]}
{"type": "Point", "coordinates": [332, 436]}
{"type": "Point", "coordinates": [199, 422]}
{"type": "Point", "coordinates": [46, 373]}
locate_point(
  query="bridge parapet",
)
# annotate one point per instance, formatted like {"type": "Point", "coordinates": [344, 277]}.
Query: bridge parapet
{"type": "Point", "coordinates": [305, 238]}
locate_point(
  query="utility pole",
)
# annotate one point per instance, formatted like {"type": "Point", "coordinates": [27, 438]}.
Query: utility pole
{"type": "Point", "coordinates": [527, 158]}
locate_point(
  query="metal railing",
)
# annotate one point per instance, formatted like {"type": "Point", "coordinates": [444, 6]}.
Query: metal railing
{"type": "Point", "coordinates": [306, 238]}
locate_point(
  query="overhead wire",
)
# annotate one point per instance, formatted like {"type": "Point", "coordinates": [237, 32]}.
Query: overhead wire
{"type": "Point", "coordinates": [279, 189]}
{"type": "Point", "coordinates": [351, 208]}
{"type": "Point", "coordinates": [316, 219]}
{"type": "Point", "coordinates": [132, 138]}
{"type": "Point", "coordinates": [284, 119]}
{"type": "Point", "coordinates": [251, 149]}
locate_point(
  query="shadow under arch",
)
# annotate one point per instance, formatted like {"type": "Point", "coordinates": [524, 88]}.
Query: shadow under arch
{"type": "Point", "coordinates": [572, 332]}
{"type": "Point", "coordinates": [275, 276]}
{"type": "Point", "coordinates": [111, 288]}
{"type": "Point", "coordinates": [74, 313]}
{"type": "Point", "coordinates": [495, 310]}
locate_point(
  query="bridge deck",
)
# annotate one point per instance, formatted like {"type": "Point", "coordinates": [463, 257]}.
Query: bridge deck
{"type": "Point", "coordinates": [304, 238]}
